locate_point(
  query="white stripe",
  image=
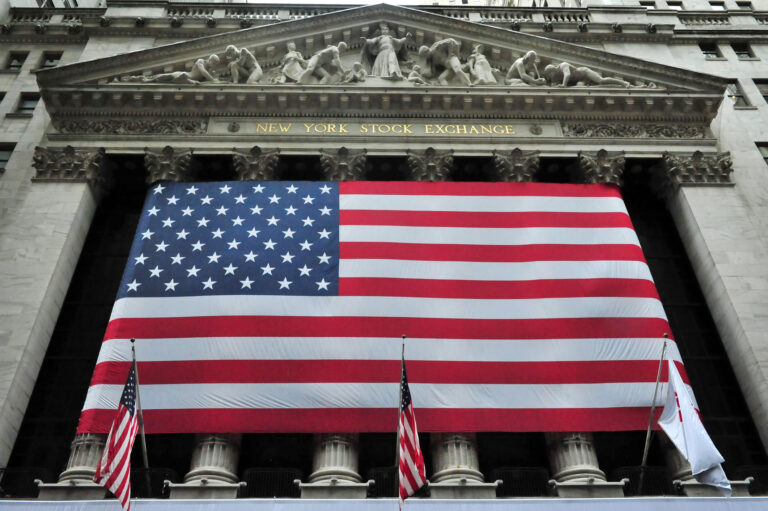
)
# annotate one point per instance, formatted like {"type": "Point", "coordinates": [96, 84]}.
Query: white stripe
{"type": "Point", "coordinates": [384, 348]}
{"type": "Point", "coordinates": [485, 271]}
{"type": "Point", "coordinates": [513, 203]}
{"type": "Point", "coordinates": [385, 306]}
{"type": "Point", "coordinates": [488, 236]}
{"type": "Point", "coordinates": [379, 395]}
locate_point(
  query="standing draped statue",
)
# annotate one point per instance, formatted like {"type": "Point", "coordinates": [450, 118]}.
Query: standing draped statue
{"type": "Point", "coordinates": [383, 52]}
{"type": "Point", "coordinates": [293, 65]}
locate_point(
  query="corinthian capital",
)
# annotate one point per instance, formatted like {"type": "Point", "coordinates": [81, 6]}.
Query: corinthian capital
{"type": "Point", "coordinates": [256, 164]}
{"type": "Point", "coordinates": [343, 165]}
{"type": "Point", "coordinates": [602, 167]}
{"type": "Point", "coordinates": [70, 164]}
{"type": "Point", "coordinates": [167, 164]}
{"type": "Point", "coordinates": [516, 165]}
{"type": "Point", "coordinates": [432, 165]}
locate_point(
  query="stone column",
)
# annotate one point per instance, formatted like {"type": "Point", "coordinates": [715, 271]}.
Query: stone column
{"type": "Point", "coordinates": [343, 164]}
{"type": "Point", "coordinates": [456, 470]}
{"type": "Point", "coordinates": [167, 164]}
{"type": "Point", "coordinates": [76, 482]}
{"type": "Point", "coordinates": [256, 164]}
{"type": "Point", "coordinates": [516, 165]}
{"type": "Point", "coordinates": [575, 469]}
{"type": "Point", "coordinates": [213, 469]}
{"type": "Point", "coordinates": [334, 469]}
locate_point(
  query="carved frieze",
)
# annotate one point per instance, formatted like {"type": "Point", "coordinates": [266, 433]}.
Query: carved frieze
{"type": "Point", "coordinates": [69, 164]}
{"type": "Point", "coordinates": [167, 164]}
{"type": "Point", "coordinates": [602, 167]}
{"type": "Point", "coordinates": [343, 165]}
{"type": "Point", "coordinates": [431, 165]}
{"type": "Point", "coordinates": [133, 126]}
{"type": "Point", "coordinates": [256, 164]}
{"type": "Point", "coordinates": [600, 130]}
{"type": "Point", "coordinates": [516, 165]}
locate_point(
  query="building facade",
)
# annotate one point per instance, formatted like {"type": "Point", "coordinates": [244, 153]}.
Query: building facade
{"type": "Point", "coordinates": [101, 99]}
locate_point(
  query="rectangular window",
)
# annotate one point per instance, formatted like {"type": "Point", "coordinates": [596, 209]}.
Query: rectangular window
{"type": "Point", "coordinates": [5, 155]}
{"type": "Point", "coordinates": [747, 6]}
{"type": "Point", "coordinates": [763, 148]}
{"type": "Point", "coordinates": [762, 86]}
{"type": "Point", "coordinates": [648, 4]}
{"type": "Point", "coordinates": [737, 95]}
{"type": "Point", "coordinates": [50, 59]}
{"type": "Point", "coordinates": [27, 103]}
{"type": "Point", "coordinates": [674, 5]}
{"type": "Point", "coordinates": [717, 6]}
{"type": "Point", "coordinates": [742, 50]}
{"type": "Point", "coordinates": [710, 50]}
{"type": "Point", "coordinates": [16, 60]}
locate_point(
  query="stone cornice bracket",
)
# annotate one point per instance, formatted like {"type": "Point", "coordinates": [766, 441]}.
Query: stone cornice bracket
{"type": "Point", "coordinates": [167, 164]}
{"type": "Point", "coordinates": [602, 167]}
{"type": "Point", "coordinates": [697, 169]}
{"type": "Point", "coordinates": [71, 165]}
{"type": "Point", "coordinates": [256, 164]}
{"type": "Point", "coordinates": [516, 165]}
{"type": "Point", "coordinates": [343, 165]}
{"type": "Point", "coordinates": [432, 165]}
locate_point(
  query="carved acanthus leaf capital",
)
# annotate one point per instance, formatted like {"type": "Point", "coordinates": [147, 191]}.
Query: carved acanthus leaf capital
{"type": "Point", "coordinates": [602, 167]}
{"type": "Point", "coordinates": [696, 169]}
{"type": "Point", "coordinates": [343, 165]}
{"type": "Point", "coordinates": [70, 164]}
{"type": "Point", "coordinates": [431, 165]}
{"type": "Point", "coordinates": [167, 164]}
{"type": "Point", "coordinates": [256, 164]}
{"type": "Point", "coordinates": [516, 165]}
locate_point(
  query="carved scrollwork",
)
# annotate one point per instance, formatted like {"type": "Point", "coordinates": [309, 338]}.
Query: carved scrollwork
{"type": "Point", "coordinates": [632, 131]}
{"type": "Point", "coordinates": [69, 164]}
{"type": "Point", "coordinates": [256, 164]}
{"type": "Point", "coordinates": [133, 126]}
{"type": "Point", "coordinates": [516, 165]}
{"type": "Point", "coordinates": [602, 167]}
{"type": "Point", "coordinates": [343, 165]}
{"type": "Point", "coordinates": [432, 165]}
{"type": "Point", "coordinates": [167, 164]}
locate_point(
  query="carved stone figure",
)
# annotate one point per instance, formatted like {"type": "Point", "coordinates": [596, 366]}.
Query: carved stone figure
{"type": "Point", "coordinates": [242, 65]}
{"type": "Point", "coordinates": [480, 69]}
{"type": "Point", "coordinates": [443, 61]}
{"type": "Point", "coordinates": [325, 65]}
{"type": "Point", "coordinates": [383, 52]}
{"type": "Point", "coordinates": [356, 74]}
{"type": "Point", "coordinates": [293, 65]}
{"type": "Point", "coordinates": [524, 70]}
{"type": "Point", "coordinates": [565, 74]}
{"type": "Point", "coordinates": [415, 76]}
{"type": "Point", "coordinates": [202, 70]}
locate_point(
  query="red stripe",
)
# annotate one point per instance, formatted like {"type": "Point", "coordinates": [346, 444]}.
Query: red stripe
{"type": "Point", "coordinates": [488, 253]}
{"type": "Point", "coordinates": [383, 371]}
{"type": "Point", "coordinates": [548, 288]}
{"type": "Point", "coordinates": [482, 219]}
{"type": "Point", "coordinates": [376, 420]}
{"type": "Point", "coordinates": [361, 326]}
{"type": "Point", "coordinates": [486, 189]}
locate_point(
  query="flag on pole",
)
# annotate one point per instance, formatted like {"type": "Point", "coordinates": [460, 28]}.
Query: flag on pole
{"type": "Point", "coordinates": [114, 470]}
{"type": "Point", "coordinates": [411, 473]}
{"type": "Point", "coordinates": [680, 421]}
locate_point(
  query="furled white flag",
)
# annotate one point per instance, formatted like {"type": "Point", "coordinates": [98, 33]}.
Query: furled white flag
{"type": "Point", "coordinates": [681, 422]}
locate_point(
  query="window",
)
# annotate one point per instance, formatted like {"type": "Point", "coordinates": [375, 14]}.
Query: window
{"type": "Point", "coordinates": [15, 61]}
{"type": "Point", "coordinates": [675, 6]}
{"type": "Point", "coordinates": [763, 148]}
{"type": "Point", "coordinates": [762, 86]}
{"type": "Point", "coordinates": [710, 50]}
{"type": "Point", "coordinates": [742, 50]}
{"type": "Point", "coordinates": [747, 6]}
{"type": "Point", "coordinates": [5, 155]}
{"type": "Point", "coordinates": [717, 6]}
{"type": "Point", "coordinates": [27, 103]}
{"type": "Point", "coordinates": [648, 4]}
{"type": "Point", "coordinates": [50, 59]}
{"type": "Point", "coordinates": [737, 95]}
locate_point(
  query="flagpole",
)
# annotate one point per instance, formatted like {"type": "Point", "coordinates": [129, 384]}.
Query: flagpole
{"type": "Point", "coordinates": [399, 404]}
{"type": "Point", "coordinates": [141, 418]}
{"type": "Point", "coordinates": [650, 418]}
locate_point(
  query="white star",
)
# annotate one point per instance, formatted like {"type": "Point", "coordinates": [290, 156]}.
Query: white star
{"type": "Point", "coordinates": [171, 285]}
{"type": "Point", "coordinates": [197, 246]}
{"type": "Point", "coordinates": [158, 189]}
{"type": "Point", "coordinates": [247, 283]}
{"type": "Point", "coordinates": [225, 189]}
{"type": "Point", "coordinates": [288, 233]}
{"type": "Point", "coordinates": [269, 245]}
{"type": "Point", "coordinates": [285, 283]}
{"type": "Point", "coordinates": [306, 245]}
{"type": "Point", "coordinates": [208, 284]}
{"type": "Point", "coordinates": [291, 189]}
{"type": "Point", "coordinates": [141, 258]}
{"type": "Point", "coordinates": [161, 246]}
{"type": "Point", "coordinates": [187, 211]}
{"type": "Point", "coordinates": [203, 222]}
{"type": "Point", "coordinates": [324, 258]}
{"type": "Point", "coordinates": [155, 272]}
{"type": "Point", "coordinates": [153, 211]}
{"type": "Point", "coordinates": [240, 199]}
{"type": "Point", "coordinates": [191, 190]}
{"type": "Point", "coordinates": [250, 257]}
{"type": "Point", "coordinates": [206, 199]}
{"type": "Point", "coordinates": [274, 199]}
{"type": "Point", "coordinates": [234, 244]}
{"type": "Point", "coordinates": [133, 286]}
{"type": "Point", "coordinates": [177, 258]}
{"type": "Point", "coordinates": [147, 235]}
{"type": "Point", "coordinates": [213, 258]}
{"type": "Point", "coordinates": [182, 234]}
{"type": "Point", "coordinates": [322, 285]}
{"type": "Point", "coordinates": [192, 272]}
{"type": "Point", "coordinates": [325, 189]}
{"type": "Point", "coordinates": [222, 211]}
{"type": "Point", "coordinates": [256, 210]}
{"type": "Point", "coordinates": [273, 220]}
{"type": "Point", "coordinates": [267, 269]}
{"type": "Point", "coordinates": [253, 233]}
{"type": "Point", "coordinates": [168, 222]}
{"type": "Point", "coordinates": [307, 222]}
{"type": "Point", "coordinates": [287, 257]}
{"type": "Point", "coordinates": [258, 189]}
{"type": "Point", "coordinates": [290, 210]}
{"type": "Point", "coordinates": [217, 233]}
{"type": "Point", "coordinates": [238, 221]}
{"type": "Point", "coordinates": [324, 234]}
{"type": "Point", "coordinates": [173, 200]}
{"type": "Point", "coordinates": [304, 271]}
{"type": "Point", "coordinates": [308, 199]}
{"type": "Point", "coordinates": [325, 211]}
{"type": "Point", "coordinates": [229, 270]}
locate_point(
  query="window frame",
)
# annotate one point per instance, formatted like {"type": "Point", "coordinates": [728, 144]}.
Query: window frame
{"type": "Point", "coordinates": [714, 48]}
{"type": "Point", "coordinates": [5, 148]}
{"type": "Point", "coordinates": [13, 56]}
{"type": "Point", "coordinates": [750, 54]}
{"type": "Point", "coordinates": [736, 93]}
{"type": "Point", "coordinates": [717, 5]}
{"type": "Point", "coordinates": [46, 56]}
{"type": "Point", "coordinates": [22, 106]}
{"type": "Point", "coordinates": [675, 5]}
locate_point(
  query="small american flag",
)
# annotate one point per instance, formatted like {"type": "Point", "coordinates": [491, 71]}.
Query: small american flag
{"type": "Point", "coordinates": [114, 471]}
{"type": "Point", "coordinates": [411, 473]}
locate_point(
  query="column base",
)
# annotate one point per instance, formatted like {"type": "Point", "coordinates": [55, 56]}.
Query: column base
{"type": "Point", "coordinates": [203, 489]}
{"type": "Point", "coordinates": [588, 488]}
{"type": "Point", "coordinates": [462, 489]}
{"type": "Point", "coordinates": [71, 490]}
{"type": "Point", "coordinates": [693, 488]}
{"type": "Point", "coordinates": [334, 489]}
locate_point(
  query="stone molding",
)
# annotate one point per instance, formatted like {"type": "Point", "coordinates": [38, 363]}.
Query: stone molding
{"type": "Point", "coordinates": [620, 130]}
{"type": "Point", "coordinates": [70, 165]}
{"type": "Point", "coordinates": [132, 126]}
{"type": "Point", "coordinates": [256, 164]}
{"type": "Point", "coordinates": [343, 164]}
{"type": "Point", "coordinates": [516, 165]}
{"type": "Point", "coordinates": [167, 164]}
{"type": "Point", "coordinates": [602, 167]}
{"type": "Point", "coordinates": [431, 165]}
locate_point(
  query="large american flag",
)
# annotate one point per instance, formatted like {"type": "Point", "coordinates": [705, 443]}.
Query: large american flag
{"type": "Point", "coordinates": [279, 307]}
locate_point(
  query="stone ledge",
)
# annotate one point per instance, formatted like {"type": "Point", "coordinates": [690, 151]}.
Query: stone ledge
{"type": "Point", "coordinates": [71, 490]}
{"type": "Point", "coordinates": [203, 489]}
{"type": "Point", "coordinates": [334, 489]}
{"type": "Point", "coordinates": [693, 488]}
{"type": "Point", "coordinates": [463, 489]}
{"type": "Point", "coordinates": [589, 488]}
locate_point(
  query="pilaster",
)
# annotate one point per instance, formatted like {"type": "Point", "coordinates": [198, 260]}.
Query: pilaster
{"type": "Point", "coordinates": [516, 165]}
{"type": "Point", "coordinates": [335, 466]}
{"type": "Point", "coordinates": [167, 164]}
{"type": "Point", "coordinates": [431, 165]}
{"type": "Point", "coordinates": [212, 473]}
{"type": "Point", "coordinates": [256, 164]}
{"type": "Point", "coordinates": [575, 469]}
{"type": "Point", "coordinates": [343, 164]}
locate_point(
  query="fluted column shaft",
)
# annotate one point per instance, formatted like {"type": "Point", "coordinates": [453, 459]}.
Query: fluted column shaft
{"type": "Point", "coordinates": [454, 457]}
{"type": "Point", "coordinates": [335, 457]}
{"type": "Point", "coordinates": [572, 457]}
{"type": "Point", "coordinates": [215, 458]}
{"type": "Point", "coordinates": [84, 457]}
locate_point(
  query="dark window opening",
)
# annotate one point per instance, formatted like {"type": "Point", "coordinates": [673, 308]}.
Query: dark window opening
{"type": "Point", "coordinates": [675, 6]}
{"type": "Point", "coordinates": [387, 168]}
{"type": "Point", "coordinates": [206, 167]}
{"type": "Point", "coordinates": [27, 103]}
{"type": "Point", "coordinates": [737, 95]}
{"type": "Point", "coordinates": [717, 6]}
{"type": "Point", "coordinates": [762, 86]}
{"type": "Point", "coordinates": [16, 60]}
{"type": "Point", "coordinates": [5, 153]}
{"type": "Point", "coordinates": [747, 6]}
{"type": "Point", "coordinates": [648, 4]}
{"type": "Point", "coordinates": [299, 168]}
{"type": "Point", "coordinates": [472, 169]}
{"type": "Point", "coordinates": [763, 148]}
{"type": "Point", "coordinates": [558, 170]}
{"type": "Point", "coordinates": [50, 59]}
{"type": "Point", "coordinates": [743, 50]}
{"type": "Point", "coordinates": [710, 50]}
